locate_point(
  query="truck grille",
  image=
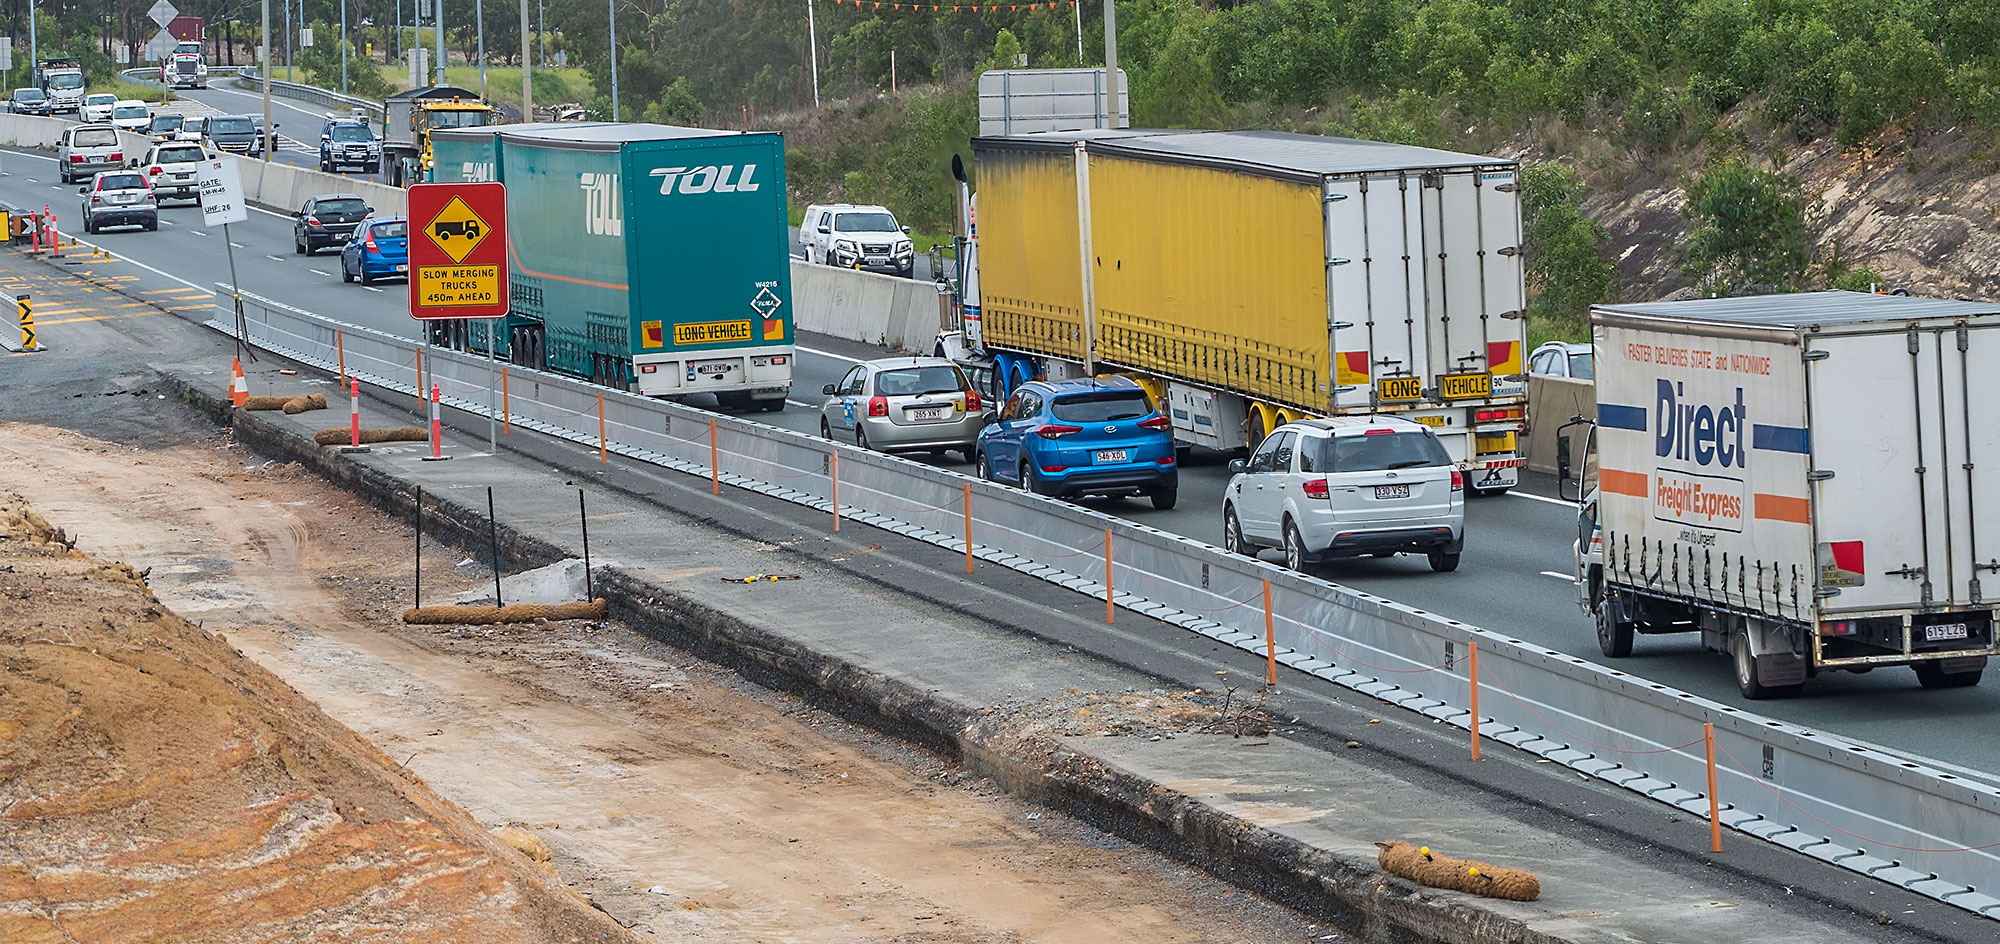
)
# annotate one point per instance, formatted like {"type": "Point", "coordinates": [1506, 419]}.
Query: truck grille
{"type": "Point", "coordinates": [875, 250]}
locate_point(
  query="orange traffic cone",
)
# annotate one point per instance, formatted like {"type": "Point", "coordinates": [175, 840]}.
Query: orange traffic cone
{"type": "Point", "coordinates": [239, 389]}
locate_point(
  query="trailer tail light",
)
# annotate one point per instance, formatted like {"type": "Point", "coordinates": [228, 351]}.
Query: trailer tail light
{"type": "Point", "coordinates": [778, 361]}
{"type": "Point", "coordinates": [1457, 481]}
{"type": "Point", "coordinates": [1316, 488]}
{"type": "Point", "coordinates": [972, 403]}
{"type": "Point", "coordinates": [1157, 422]}
{"type": "Point", "coordinates": [878, 406]}
{"type": "Point", "coordinates": [1056, 430]}
{"type": "Point", "coordinates": [648, 368]}
{"type": "Point", "coordinates": [1837, 628]}
{"type": "Point", "coordinates": [1501, 415]}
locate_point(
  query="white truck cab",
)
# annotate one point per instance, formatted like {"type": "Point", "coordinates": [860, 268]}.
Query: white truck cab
{"type": "Point", "coordinates": [857, 237]}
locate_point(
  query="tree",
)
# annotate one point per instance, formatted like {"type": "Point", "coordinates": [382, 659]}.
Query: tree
{"type": "Point", "coordinates": [1566, 268]}
{"type": "Point", "coordinates": [1749, 233]}
{"type": "Point", "coordinates": [675, 106]}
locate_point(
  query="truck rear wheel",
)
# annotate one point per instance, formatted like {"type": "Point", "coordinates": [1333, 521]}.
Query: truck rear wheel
{"type": "Point", "coordinates": [1931, 674]}
{"type": "Point", "coordinates": [1745, 662]}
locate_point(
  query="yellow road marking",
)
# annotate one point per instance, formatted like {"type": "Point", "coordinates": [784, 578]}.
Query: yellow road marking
{"type": "Point", "coordinates": [129, 314]}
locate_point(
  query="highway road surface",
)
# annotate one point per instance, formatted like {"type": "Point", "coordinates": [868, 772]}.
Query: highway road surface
{"type": "Point", "coordinates": [1514, 578]}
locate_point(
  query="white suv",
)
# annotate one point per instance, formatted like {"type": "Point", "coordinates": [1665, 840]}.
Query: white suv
{"type": "Point", "coordinates": [857, 237]}
{"type": "Point", "coordinates": [1346, 487]}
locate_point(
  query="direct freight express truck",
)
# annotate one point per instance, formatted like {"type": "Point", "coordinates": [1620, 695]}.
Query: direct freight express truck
{"type": "Point", "coordinates": [1250, 278]}
{"type": "Point", "coordinates": [645, 257]}
{"type": "Point", "coordinates": [1808, 481]}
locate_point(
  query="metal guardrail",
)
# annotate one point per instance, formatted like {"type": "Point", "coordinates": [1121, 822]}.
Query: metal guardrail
{"type": "Point", "coordinates": [248, 75]}
{"type": "Point", "coordinates": [1896, 820]}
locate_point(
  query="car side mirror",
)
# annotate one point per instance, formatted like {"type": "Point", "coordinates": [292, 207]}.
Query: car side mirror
{"type": "Point", "coordinates": [825, 228]}
{"type": "Point", "coordinates": [323, 137]}
{"type": "Point", "coordinates": [298, 213]}
{"type": "Point", "coordinates": [828, 390]}
{"type": "Point", "coordinates": [906, 231]}
{"type": "Point", "coordinates": [991, 418]}
{"type": "Point", "coordinates": [83, 190]}
{"type": "Point", "coordinates": [1237, 465]}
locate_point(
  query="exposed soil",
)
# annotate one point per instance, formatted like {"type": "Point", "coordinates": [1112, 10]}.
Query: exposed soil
{"type": "Point", "coordinates": [675, 798]}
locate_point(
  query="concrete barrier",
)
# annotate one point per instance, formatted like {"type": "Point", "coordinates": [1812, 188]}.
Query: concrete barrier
{"type": "Point", "coordinates": [901, 314]}
{"type": "Point", "coordinates": [31, 130]}
{"type": "Point", "coordinates": [1551, 403]}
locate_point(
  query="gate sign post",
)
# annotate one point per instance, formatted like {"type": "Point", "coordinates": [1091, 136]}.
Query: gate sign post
{"type": "Point", "coordinates": [458, 250]}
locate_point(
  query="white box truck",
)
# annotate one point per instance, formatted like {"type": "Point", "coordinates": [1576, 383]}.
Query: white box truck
{"type": "Point", "coordinates": [1806, 480]}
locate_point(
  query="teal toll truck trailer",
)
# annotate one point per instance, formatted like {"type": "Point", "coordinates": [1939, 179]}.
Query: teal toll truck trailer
{"type": "Point", "coordinates": [645, 257]}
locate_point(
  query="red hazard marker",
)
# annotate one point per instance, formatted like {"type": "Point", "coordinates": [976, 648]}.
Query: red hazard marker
{"type": "Point", "coordinates": [354, 410]}
{"type": "Point", "coordinates": [437, 428]}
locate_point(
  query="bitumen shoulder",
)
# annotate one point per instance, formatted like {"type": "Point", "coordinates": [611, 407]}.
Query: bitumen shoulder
{"type": "Point", "coordinates": [893, 632]}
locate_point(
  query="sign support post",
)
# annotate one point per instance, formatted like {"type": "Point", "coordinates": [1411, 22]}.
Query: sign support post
{"type": "Point", "coordinates": [458, 269]}
{"type": "Point", "coordinates": [221, 185]}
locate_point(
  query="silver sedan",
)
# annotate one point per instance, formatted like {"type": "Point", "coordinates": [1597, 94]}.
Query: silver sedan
{"type": "Point", "coordinates": [904, 404]}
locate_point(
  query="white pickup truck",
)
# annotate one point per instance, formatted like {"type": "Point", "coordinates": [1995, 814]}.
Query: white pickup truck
{"type": "Point", "coordinates": [1802, 479]}
{"type": "Point", "coordinates": [857, 237]}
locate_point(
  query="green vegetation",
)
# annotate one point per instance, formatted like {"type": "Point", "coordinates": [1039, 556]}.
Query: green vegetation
{"type": "Point", "coordinates": [1748, 232]}
{"type": "Point", "coordinates": [1566, 271]}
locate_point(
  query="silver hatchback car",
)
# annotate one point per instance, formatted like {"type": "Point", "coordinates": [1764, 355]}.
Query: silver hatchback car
{"type": "Point", "coordinates": [86, 150]}
{"type": "Point", "coordinates": [904, 404]}
{"type": "Point", "coordinates": [1347, 487]}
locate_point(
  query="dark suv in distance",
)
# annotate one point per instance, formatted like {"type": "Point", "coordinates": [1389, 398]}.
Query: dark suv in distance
{"type": "Point", "coordinates": [30, 101]}
{"type": "Point", "coordinates": [327, 220]}
{"type": "Point", "coordinates": [347, 142]}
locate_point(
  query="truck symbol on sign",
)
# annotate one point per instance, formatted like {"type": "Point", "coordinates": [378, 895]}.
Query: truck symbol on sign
{"type": "Point", "coordinates": [465, 229]}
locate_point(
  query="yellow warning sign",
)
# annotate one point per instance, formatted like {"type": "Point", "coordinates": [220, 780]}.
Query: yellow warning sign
{"type": "Point", "coordinates": [458, 286]}
{"type": "Point", "coordinates": [456, 230]}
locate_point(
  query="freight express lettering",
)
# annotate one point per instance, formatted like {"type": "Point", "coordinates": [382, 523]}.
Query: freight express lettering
{"type": "Point", "coordinates": [1706, 434]}
{"type": "Point", "coordinates": [1690, 498]}
{"type": "Point", "coordinates": [711, 332]}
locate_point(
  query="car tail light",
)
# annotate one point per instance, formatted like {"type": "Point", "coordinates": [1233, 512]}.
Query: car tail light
{"type": "Point", "coordinates": [1457, 481]}
{"type": "Point", "coordinates": [972, 403]}
{"type": "Point", "coordinates": [1316, 488]}
{"type": "Point", "coordinates": [1375, 431]}
{"type": "Point", "coordinates": [1056, 430]}
{"type": "Point", "coordinates": [878, 406]}
{"type": "Point", "coordinates": [94, 198]}
{"type": "Point", "coordinates": [1157, 422]}
{"type": "Point", "coordinates": [153, 171]}
{"type": "Point", "coordinates": [370, 244]}
{"type": "Point", "coordinates": [1054, 468]}
{"type": "Point", "coordinates": [117, 156]}
{"type": "Point", "coordinates": [1164, 460]}
{"type": "Point", "coordinates": [313, 221]}
{"type": "Point", "coordinates": [1836, 628]}
{"type": "Point", "coordinates": [76, 158]}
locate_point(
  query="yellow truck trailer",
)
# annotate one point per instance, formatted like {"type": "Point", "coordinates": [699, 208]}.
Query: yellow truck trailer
{"type": "Point", "coordinates": [1248, 278]}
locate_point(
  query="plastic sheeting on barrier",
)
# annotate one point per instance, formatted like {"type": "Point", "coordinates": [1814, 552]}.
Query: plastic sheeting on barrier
{"type": "Point", "coordinates": [1920, 828]}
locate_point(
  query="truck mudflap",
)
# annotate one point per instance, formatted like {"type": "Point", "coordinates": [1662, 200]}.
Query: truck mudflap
{"type": "Point", "coordinates": [1492, 475]}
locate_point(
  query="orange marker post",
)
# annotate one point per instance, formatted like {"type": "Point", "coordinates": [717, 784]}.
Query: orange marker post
{"type": "Point", "coordinates": [601, 457]}
{"type": "Point", "coordinates": [833, 474]}
{"type": "Point", "coordinates": [1270, 638]}
{"type": "Point", "coordinates": [506, 412]}
{"type": "Point", "coordinates": [1714, 802]}
{"type": "Point", "coordinates": [967, 502]}
{"type": "Point", "coordinates": [340, 346]}
{"type": "Point", "coordinates": [1110, 610]}
{"type": "Point", "coordinates": [1472, 678]}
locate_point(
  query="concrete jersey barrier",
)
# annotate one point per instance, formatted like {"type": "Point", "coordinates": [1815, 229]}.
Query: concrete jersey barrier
{"type": "Point", "coordinates": [901, 314]}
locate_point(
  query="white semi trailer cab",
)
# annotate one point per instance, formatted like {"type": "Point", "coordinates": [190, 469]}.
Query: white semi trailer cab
{"type": "Point", "coordinates": [1809, 481]}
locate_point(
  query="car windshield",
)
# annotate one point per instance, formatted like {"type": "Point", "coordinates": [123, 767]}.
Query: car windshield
{"type": "Point", "coordinates": [341, 206]}
{"type": "Point", "coordinates": [351, 133]}
{"type": "Point", "coordinates": [1106, 407]}
{"type": "Point", "coordinates": [121, 182]}
{"type": "Point", "coordinates": [458, 119]}
{"type": "Point", "coordinates": [865, 223]}
{"type": "Point", "coordinates": [1581, 366]}
{"type": "Point", "coordinates": [100, 99]}
{"type": "Point", "coordinates": [228, 126]}
{"type": "Point", "coordinates": [179, 155]}
{"type": "Point", "coordinates": [67, 80]}
{"type": "Point", "coordinates": [1376, 452]}
{"type": "Point", "coordinates": [31, 95]}
{"type": "Point", "coordinates": [93, 137]}
{"type": "Point", "coordinates": [396, 230]}
{"type": "Point", "coordinates": [913, 381]}
{"type": "Point", "coordinates": [167, 122]}
{"type": "Point", "coordinates": [129, 111]}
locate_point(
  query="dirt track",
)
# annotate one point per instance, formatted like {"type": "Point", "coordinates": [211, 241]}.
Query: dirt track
{"type": "Point", "coordinates": [681, 801]}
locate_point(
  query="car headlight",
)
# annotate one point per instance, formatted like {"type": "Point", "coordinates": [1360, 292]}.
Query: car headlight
{"type": "Point", "coordinates": [904, 246]}
{"type": "Point", "coordinates": [844, 244]}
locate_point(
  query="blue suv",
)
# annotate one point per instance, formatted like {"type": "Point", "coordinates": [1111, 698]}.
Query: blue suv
{"type": "Point", "coordinates": [379, 248]}
{"type": "Point", "coordinates": [1071, 438]}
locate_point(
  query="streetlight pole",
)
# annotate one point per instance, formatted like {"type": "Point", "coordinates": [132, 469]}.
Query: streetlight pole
{"type": "Point", "coordinates": [479, 18]}
{"type": "Point", "coordinates": [527, 70]}
{"type": "Point", "coordinates": [264, 146]}
{"type": "Point", "coordinates": [288, 40]}
{"type": "Point", "coordinates": [34, 51]}
{"type": "Point", "coordinates": [812, 42]}
{"type": "Point", "coordinates": [439, 28]}
{"type": "Point", "coordinates": [343, 47]}
{"type": "Point", "coordinates": [612, 5]}
{"type": "Point", "coordinates": [1111, 61]}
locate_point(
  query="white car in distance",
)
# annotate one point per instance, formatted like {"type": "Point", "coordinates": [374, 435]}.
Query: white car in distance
{"type": "Point", "coordinates": [131, 115]}
{"type": "Point", "coordinates": [97, 107]}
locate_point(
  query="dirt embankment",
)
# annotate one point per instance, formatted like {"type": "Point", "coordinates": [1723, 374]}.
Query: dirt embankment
{"type": "Point", "coordinates": [157, 786]}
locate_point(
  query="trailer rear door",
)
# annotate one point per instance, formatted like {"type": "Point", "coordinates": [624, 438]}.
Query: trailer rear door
{"type": "Point", "coordinates": [1909, 516]}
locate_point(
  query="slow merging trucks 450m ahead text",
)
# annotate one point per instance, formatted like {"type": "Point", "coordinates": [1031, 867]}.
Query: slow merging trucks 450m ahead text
{"type": "Point", "coordinates": [645, 257]}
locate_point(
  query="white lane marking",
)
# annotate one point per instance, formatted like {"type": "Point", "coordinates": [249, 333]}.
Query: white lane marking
{"type": "Point", "coordinates": [371, 288]}
{"type": "Point", "coordinates": [269, 256]}
{"type": "Point", "coordinates": [1565, 578]}
{"type": "Point", "coordinates": [199, 232]}
{"type": "Point", "coordinates": [809, 406]}
{"type": "Point", "coordinates": [239, 245]}
{"type": "Point", "coordinates": [1517, 493]}
{"type": "Point", "coordinates": [838, 357]}
{"type": "Point", "coordinates": [322, 272]}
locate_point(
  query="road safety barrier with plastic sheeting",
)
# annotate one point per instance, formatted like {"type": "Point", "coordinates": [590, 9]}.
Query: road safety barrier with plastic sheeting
{"type": "Point", "coordinates": [1877, 814]}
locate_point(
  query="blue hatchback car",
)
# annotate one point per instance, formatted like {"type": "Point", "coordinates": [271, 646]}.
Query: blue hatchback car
{"type": "Point", "coordinates": [378, 248]}
{"type": "Point", "coordinates": [1071, 438]}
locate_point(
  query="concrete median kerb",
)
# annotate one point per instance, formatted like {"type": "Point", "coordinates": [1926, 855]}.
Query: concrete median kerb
{"type": "Point", "coordinates": [1327, 880]}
